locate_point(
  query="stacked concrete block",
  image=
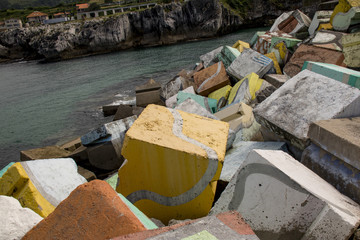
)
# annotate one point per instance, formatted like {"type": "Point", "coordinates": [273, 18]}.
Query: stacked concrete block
{"type": "Point", "coordinates": [87, 174]}
{"type": "Point", "coordinates": [351, 49]}
{"type": "Point", "coordinates": [240, 45]}
{"type": "Point", "coordinates": [72, 145]}
{"type": "Point", "coordinates": [174, 86]}
{"type": "Point", "coordinates": [41, 184]}
{"type": "Point", "coordinates": [320, 17]}
{"type": "Point", "coordinates": [105, 143]}
{"type": "Point", "coordinates": [282, 53]}
{"type": "Point", "coordinates": [264, 42]}
{"type": "Point", "coordinates": [112, 180]}
{"type": "Point", "coordinates": [2, 171]}
{"type": "Point", "coordinates": [92, 211]}
{"type": "Point", "coordinates": [221, 95]}
{"type": "Point", "coordinates": [346, 13]}
{"type": "Point", "coordinates": [255, 37]}
{"type": "Point", "coordinates": [122, 112]}
{"type": "Point", "coordinates": [191, 106]}
{"type": "Point", "coordinates": [248, 62]}
{"type": "Point", "coordinates": [15, 220]}
{"type": "Point", "coordinates": [211, 79]}
{"type": "Point", "coordinates": [280, 198]}
{"type": "Point", "coordinates": [148, 93]}
{"type": "Point", "coordinates": [311, 53]}
{"type": "Point", "coordinates": [290, 42]}
{"type": "Point", "coordinates": [43, 153]}
{"type": "Point", "coordinates": [172, 101]}
{"type": "Point", "coordinates": [304, 99]}
{"type": "Point", "coordinates": [328, 39]}
{"type": "Point", "coordinates": [208, 58]}
{"type": "Point", "coordinates": [341, 74]}
{"type": "Point", "coordinates": [227, 55]}
{"type": "Point", "coordinates": [277, 68]}
{"type": "Point", "coordinates": [294, 23]}
{"type": "Point", "coordinates": [277, 80]}
{"type": "Point", "coordinates": [110, 109]}
{"type": "Point", "coordinates": [208, 103]}
{"type": "Point", "coordinates": [174, 160]}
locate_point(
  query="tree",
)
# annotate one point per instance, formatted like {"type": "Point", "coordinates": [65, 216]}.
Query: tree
{"type": "Point", "coordinates": [94, 7]}
{"type": "Point", "coordinates": [108, 1]}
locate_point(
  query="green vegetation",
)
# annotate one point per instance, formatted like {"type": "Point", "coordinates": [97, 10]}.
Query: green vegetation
{"type": "Point", "coordinates": [239, 7]}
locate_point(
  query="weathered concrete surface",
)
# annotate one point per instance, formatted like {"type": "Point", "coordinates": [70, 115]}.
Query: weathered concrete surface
{"type": "Point", "coordinates": [221, 95]}
{"type": "Point", "coordinates": [351, 49]}
{"type": "Point", "coordinates": [174, 86]}
{"type": "Point", "coordinates": [15, 220]}
{"type": "Point", "coordinates": [148, 93]}
{"type": "Point", "coordinates": [87, 174]}
{"type": "Point", "coordinates": [104, 156]}
{"type": "Point", "coordinates": [340, 137]}
{"type": "Point", "coordinates": [227, 55]}
{"type": "Point", "coordinates": [311, 53]}
{"type": "Point", "coordinates": [92, 211]}
{"type": "Point", "coordinates": [174, 160]}
{"type": "Point", "coordinates": [282, 199]}
{"type": "Point", "coordinates": [341, 74]}
{"type": "Point", "coordinates": [208, 58]}
{"type": "Point", "coordinates": [207, 103]}
{"type": "Point", "coordinates": [251, 133]}
{"type": "Point", "coordinates": [264, 41]}
{"type": "Point", "coordinates": [248, 62]}
{"type": "Point", "coordinates": [293, 22]}
{"type": "Point", "coordinates": [5, 169]}
{"type": "Point", "coordinates": [320, 17]}
{"type": "Point", "coordinates": [211, 79]}
{"type": "Point", "coordinates": [230, 222]}
{"type": "Point", "coordinates": [238, 154]}
{"type": "Point", "coordinates": [112, 180]}
{"type": "Point", "coordinates": [304, 99]}
{"type": "Point", "coordinates": [191, 106]}
{"type": "Point", "coordinates": [43, 153]}
{"type": "Point", "coordinates": [240, 45]}
{"type": "Point", "coordinates": [277, 80]}
{"type": "Point", "coordinates": [72, 145]}
{"type": "Point", "coordinates": [344, 177]}
{"type": "Point", "coordinates": [122, 112]}
{"type": "Point", "coordinates": [41, 184]}
{"type": "Point", "coordinates": [172, 101]}
{"type": "Point", "coordinates": [328, 39]}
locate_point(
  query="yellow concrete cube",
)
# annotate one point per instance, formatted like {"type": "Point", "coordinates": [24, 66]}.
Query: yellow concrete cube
{"type": "Point", "coordinates": [174, 160]}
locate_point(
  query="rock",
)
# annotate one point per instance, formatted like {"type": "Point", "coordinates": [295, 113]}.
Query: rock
{"type": "Point", "coordinates": [314, 54]}
{"type": "Point", "coordinates": [248, 62]}
{"type": "Point", "coordinates": [148, 93]}
{"type": "Point", "coordinates": [229, 225]}
{"type": "Point", "coordinates": [174, 86]}
{"type": "Point", "coordinates": [221, 95]}
{"type": "Point", "coordinates": [341, 74]}
{"type": "Point", "coordinates": [43, 153]}
{"type": "Point", "coordinates": [172, 101]}
{"type": "Point", "coordinates": [238, 115]}
{"type": "Point", "coordinates": [227, 55]}
{"type": "Point", "coordinates": [294, 23]}
{"type": "Point", "coordinates": [211, 79]}
{"type": "Point", "coordinates": [41, 184]}
{"type": "Point", "coordinates": [208, 58]}
{"type": "Point", "coordinates": [320, 17]}
{"type": "Point", "coordinates": [92, 211]}
{"type": "Point", "coordinates": [191, 106]}
{"type": "Point", "coordinates": [280, 198]}
{"type": "Point", "coordinates": [277, 80]}
{"type": "Point", "coordinates": [351, 45]}
{"type": "Point", "coordinates": [197, 148]}
{"type": "Point", "coordinates": [240, 45]}
{"type": "Point", "coordinates": [238, 154]}
{"type": "Point", "coordinates": [14, 219]}
{"type": "Point", "coordinates": [208, 103]}
{"type": "Point", "coordinates": [327, 39]}
{"type": "Point", "coordinates": [343, 176]}
{"type": "Point", "coordinates": [290, 110]}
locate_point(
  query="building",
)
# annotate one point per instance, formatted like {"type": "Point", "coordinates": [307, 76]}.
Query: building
{"type": "Point", "coordinates": [37, 17]}
{"type": "Point", "coordinates": [83, 7]}
{"type": "Point", "coordinates": [13, 23]}
{"type": "Point", "coordinates": [62, 15]}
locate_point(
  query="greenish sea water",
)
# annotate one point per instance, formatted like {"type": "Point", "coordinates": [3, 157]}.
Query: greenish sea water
{"type": "Point", "coordinates": [46, 104]}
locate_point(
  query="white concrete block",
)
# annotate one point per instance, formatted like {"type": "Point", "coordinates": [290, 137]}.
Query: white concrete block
{"type": "Point", "coordinates": [172, 101]}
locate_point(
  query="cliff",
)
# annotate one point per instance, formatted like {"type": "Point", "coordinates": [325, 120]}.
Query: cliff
{"type": "Point", "coordinates": [163, 24]}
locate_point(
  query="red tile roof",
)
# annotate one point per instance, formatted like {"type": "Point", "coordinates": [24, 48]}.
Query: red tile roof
{"type": "Point", "coordinates": [82, 6]}
{"type": "Point", "coordinates": [36, 14]}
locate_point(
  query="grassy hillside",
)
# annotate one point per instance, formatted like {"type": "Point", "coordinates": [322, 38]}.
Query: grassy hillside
{"type": "Point", "coordinates": [23, 4]}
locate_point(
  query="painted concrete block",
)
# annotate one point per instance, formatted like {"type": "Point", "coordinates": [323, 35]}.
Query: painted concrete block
{"type": "Point", "coordinates": [351, 49]}
{"type": "Point", "coordinates": [255, 37]}
{"type": "Point", "coordinates": [238, 115]}
{"type": "Point", "coordinates": [311, 53]}
{"type": "Point", "coordinates": [238, 154]}
{"type": "Point", "coordinates": [272, 56]}
{"type": "Point", "coordinates": [207, 103]}
{"type": "Point", "coordinates": [251, 133]}
{"type": "Point", "coordinates": [247, 89]}
{"type": "Point", "coordinates": [41, 184]}
{"type": "Point", "coordinates": [344, 177]}
{"type": "Point", "coordinates": [277, 80]}
{"type": "Point", "coordinates": [208, 58]}
{"type": "Point", "coordinates": [264, 42]}
{"type": "Point", "coordinates": [341, 74]}
{"type": "Point", "coordinates": [174, 160]}
{"type": "Point", "coordinates": [5, 169]}
{"type": "Point", "coordinates": [320, 17]}
{"type": "Point", "coordinates": [211, 79]}
{"type": "Point", "coordinates": [240, 45]}
{"type": "Point", "coordinates": [291, 22]}
{"type": "Point", "coordinates": [282, 53]}
{"type": "Point", "coordinates": [248, 62]}
{"type": "Point", "coordinates": [290, 42]}
{"type": "Point", "coordinates": [191, 106]}
{"type": "Point", "coordinates": [43, 153]}
{"type": "Point", "coordinates": [112, 180]}
{"type": "Point", "coordinates": [92, 211]}
{"type": "Point", "coordinates": [280, 199]}
{"type": "Point", "coordinates": [304, 99]}
{"type": "Point", "coordinates": [148, 93]}
{"type": "Point", "coordinates": [227, 55]}
{"type": "Point", "coordinates": [174, 86]}
{"type": "Point", "coordinates": [221, 95]}
{"type": "Point", "coordinates": [172, 101]}
{"type": "Point", "coordinates": [345, 14]}
{"type": "Point", "coordinates": [229, 225]}
{"type": "Point", "coordinates": [328, 39]}
{"type": "Point", "coordinates": [340, 137]}
{"type": "Point", "coordinates": [15, 220]}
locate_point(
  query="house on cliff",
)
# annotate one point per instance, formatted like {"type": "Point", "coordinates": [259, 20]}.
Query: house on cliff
{"type": "Point", "coordinates": [13, 23]}
{"type": "Point", "coordinates": [37, 17]}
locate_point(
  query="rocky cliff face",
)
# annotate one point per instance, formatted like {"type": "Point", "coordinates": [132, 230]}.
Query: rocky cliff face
{"type": "Point", "coordinates": [194, 19]}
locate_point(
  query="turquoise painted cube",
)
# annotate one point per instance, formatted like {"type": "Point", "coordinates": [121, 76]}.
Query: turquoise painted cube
{"type": "Point", "coordinates": [228, 55]}
{"type": "Point", "coordinates": [207, 103]}
{"type": "Point", "coordinates": [289, 42]}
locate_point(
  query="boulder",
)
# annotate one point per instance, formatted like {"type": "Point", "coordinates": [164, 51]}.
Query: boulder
{"type": "Point", "coordinates": [306, 98]}
{"type": "Point", "coordinates": [41, 184]}
{"type": "Point", "coordinates": [92, 211]}
{"type": "Point", "coordinates": [172, 101]}
{"type": "Point", "coordinates": [15, 220]}
{"type": "Point", "coordinates": [174, 160]}
{"type": "Point", "coordinates": [282, 199]}
{"type": "Point", "coordinates": [208, 103]}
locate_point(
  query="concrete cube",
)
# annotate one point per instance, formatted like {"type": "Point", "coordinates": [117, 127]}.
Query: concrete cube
{"type": "Point", "coordinates": [320, 17]}
{"type": "Point", "coordinates": [227, 55]}
{"type": "Point", "coordinates": [92, 211]}
{"type": "Point", "coordinates": [255, 37]}
{"type": "Point", "coordinates": [123, 111]}
{"type": "Point", "coordinates": [174, 86]}
{"type": "Point", "coordinates": [304, 99]}
{"type": "Point", "coordinates": [351, 49]}
{"type": "Point", "coordinates": [282, 199]}
{"type": "Point", "coordinates": [41, 184]}
{"type": "Point", "coordinates": [148, 93]}
{"type": "Point", "coordinates": [328, 39]}
{"type": "Point", "coordinates": [207, 103]}
{"type": "Point", "coordinates": [248, 62]}
{"type": "Point", "coordinates": [208, 58]}
{"type": "Point", "coordinates": [292, 22]}
{"type": "Point", "coordinates": [43, 153]}
{"type": "Point", "coordinates": [104, 156]}
{"type": "Point", "coordinates": [277, 80]}
{"type": "Point", "coordinates": [191, 106]}
{"type": "Point", "coordinates": [240, 45]}
{"type": "Point", "coordinates": [221, 95]}
{"type": "Point", "coordinates": [211, 79]}
{"type": "Point", "coordinates": [174, 160]}
{"type": "Point", "coordinates": [264, 42]}
{"type": "Point", "coordinates": [172, 101]}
